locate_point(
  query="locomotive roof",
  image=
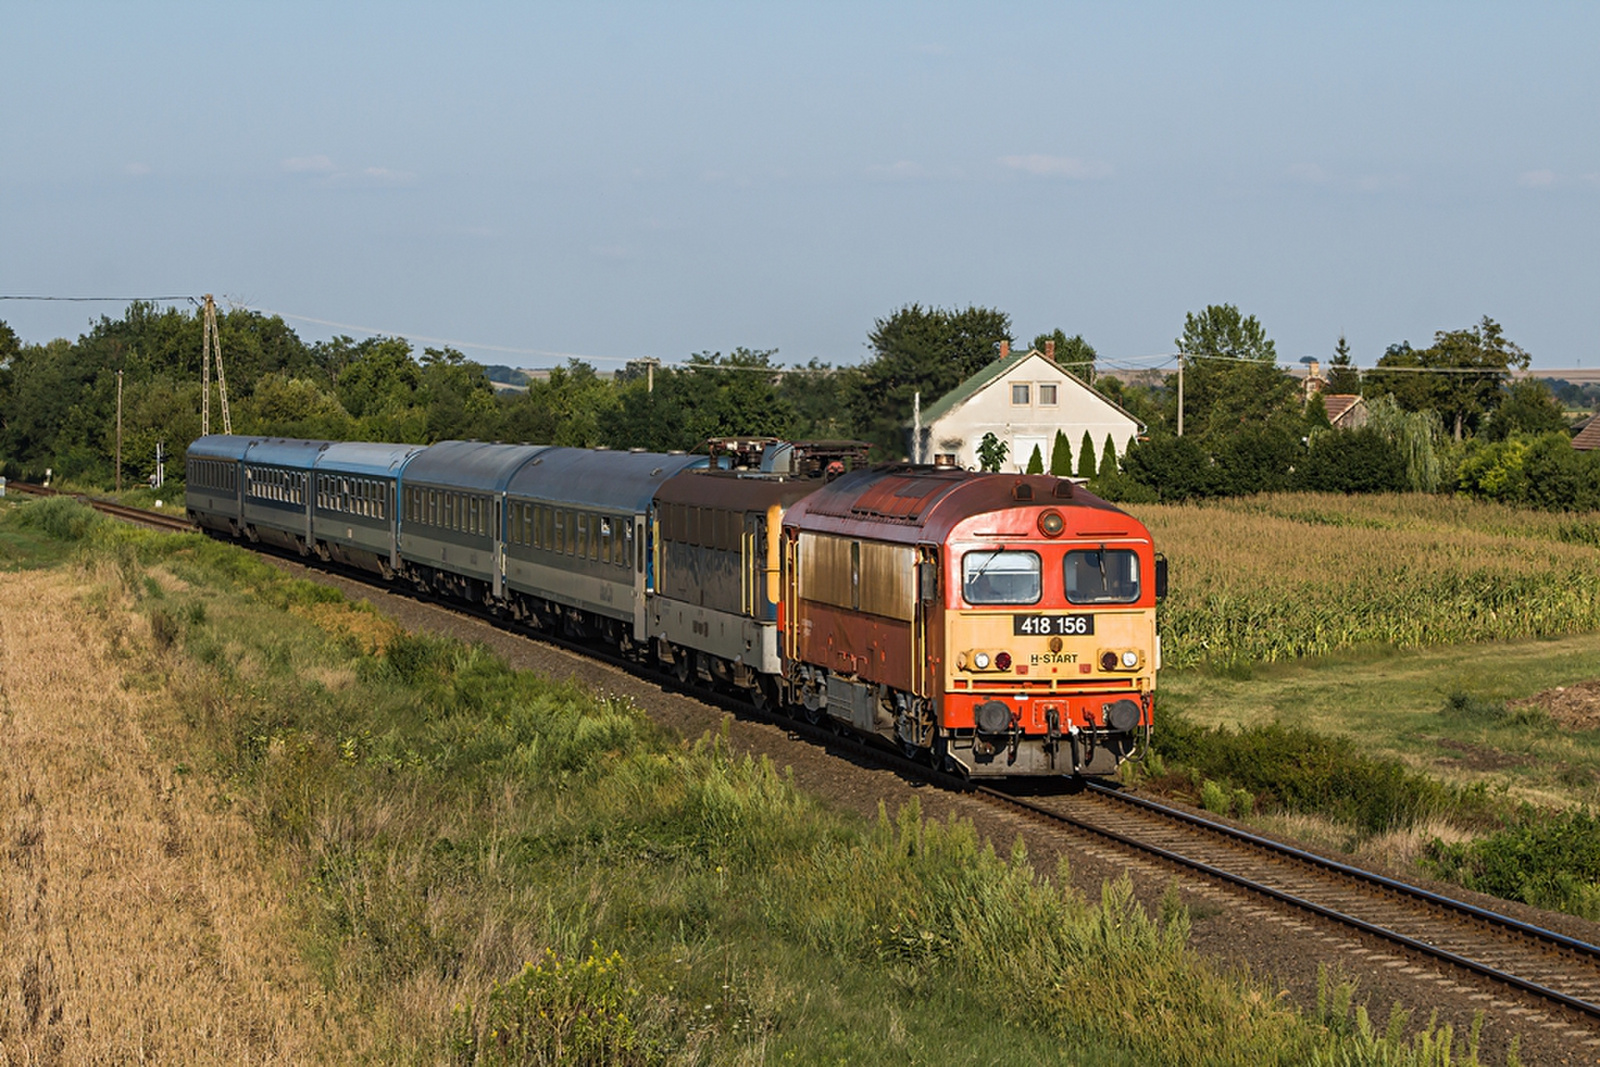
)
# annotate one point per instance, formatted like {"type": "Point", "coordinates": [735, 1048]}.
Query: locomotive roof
{"type": "Point", "coordinates": [284, 452]}
{"type": "Point", "coordinates": [912, 503]}
{"type": "Point", "coordinates": [734, 491]}
{"type": "Point", "coordinates": [472, 465]}
{"type": "Point", "coordinates": [597, 478]}
{"type": "Point", "coordinates": [365, 457]}
{"type": "Point", "coordinates": [221, 446]}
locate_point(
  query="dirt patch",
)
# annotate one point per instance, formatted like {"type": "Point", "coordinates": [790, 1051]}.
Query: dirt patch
{"type": "Point", "coordinates": [1572, 707]}
{"type": "Point", "coordinates": [1477, 757]}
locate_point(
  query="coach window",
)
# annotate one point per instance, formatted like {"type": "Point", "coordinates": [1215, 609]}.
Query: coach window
{"type": "Point", "coordinates": [1102, 576]}
{"type": "Point", "coordinates": [1000, 577]}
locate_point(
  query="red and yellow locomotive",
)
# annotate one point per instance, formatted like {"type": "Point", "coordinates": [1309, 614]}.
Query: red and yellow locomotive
{"type": "Point", "coordinates": [1002, 623]}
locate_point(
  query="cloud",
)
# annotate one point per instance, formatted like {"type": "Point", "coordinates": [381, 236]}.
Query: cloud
{"type": "Point", "coordinates": [1315, 174]}
{"type": "Point", "coordinates": [1043, 166]}
{"type": "Point", "coordinates": [1309, 173]}
{"type": "Point", "coordinates": [1536, 179]}
{"type": "Point", "coordinates": [136, 170]}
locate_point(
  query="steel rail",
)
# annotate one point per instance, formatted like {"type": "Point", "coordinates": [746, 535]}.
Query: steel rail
{"type": "Point", "coordinates": [1503, 923]}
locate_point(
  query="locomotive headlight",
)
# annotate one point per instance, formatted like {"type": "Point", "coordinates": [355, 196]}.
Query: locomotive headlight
{"type": "Point", "coordinates": [1051, 523]}
{"type": "Point", "coordinates": [1002, 661]}
{"type": "Point", "coordinates": [1130, 659]}
{"type": "Point", "coordinates": [980, 660]}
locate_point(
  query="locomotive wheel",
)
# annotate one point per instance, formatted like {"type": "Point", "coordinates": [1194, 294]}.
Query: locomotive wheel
{"type": "Point", "coordinates": [763, 695]}
{"type": "Point", "coordinates": [682, 669]}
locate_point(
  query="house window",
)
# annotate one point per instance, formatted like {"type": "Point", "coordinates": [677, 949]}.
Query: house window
{"type": "Point", "coordinates": [1019, 393]}
{"type": "Point", "coordinates": [1047, 393]}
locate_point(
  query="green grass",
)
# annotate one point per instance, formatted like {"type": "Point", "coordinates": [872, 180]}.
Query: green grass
{"type": "Point", "coordinates": [1400, 706]}
{"type": "Point", "coordinates": [441, 822]}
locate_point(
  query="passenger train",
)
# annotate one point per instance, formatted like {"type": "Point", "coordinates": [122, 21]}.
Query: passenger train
{"type": "Point", "coordinates": [995, 624]}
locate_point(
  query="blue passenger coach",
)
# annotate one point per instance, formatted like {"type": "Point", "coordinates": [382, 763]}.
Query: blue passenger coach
{"type": "Point", "coordinates": [353, 514]}
{"type": "Point", "coordinates": [213, 483]}
{"type": "Point", "coordinates": [277, 491]}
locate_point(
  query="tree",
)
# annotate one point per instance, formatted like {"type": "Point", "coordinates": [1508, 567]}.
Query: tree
{"type": "Point", "coordinates": [1173, 468]}
{"type": "Point", "coordinates": [1072, 354]}
{"type": "Point", "coordinates": [919, 350]}
{"type": "Point", "coordinates": [1343, 379]}
{"type": "Point", "coordinates": [1462, 376]}
{"type": "Point", "coordinates": [1086, 466]}
{"type": "Point", "coordinates": [1061, 456]}
{"type": "Point", "coordinates": [714, 396]}
{"type": "Point", "coordinates": [568, 407]}
{"type": "Point", "coordinates": [991, 452]}
{"type": "Point", "coordinates": [1527, 407]}
{"type": "Point", "coordinates": [1035, 462]}
{"type": "Point", "coordinates": [1108, 458]}
{"type": "Point", "coordinates": [1353, 461]}
{"type": "Point", "coordinates": [1231, 376]}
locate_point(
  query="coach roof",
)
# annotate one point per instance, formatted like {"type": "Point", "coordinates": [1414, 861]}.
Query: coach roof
{"type": "Point", "coordinates": [284, 452]}
{"type": "Point", "coordinates": [220, 446]}
{"type": "Point", "coordinates": [365, 458]}
{"type": "Point", "coordinates": [476, 466]}
{"type": "Point", "coordinates": [599, 479]}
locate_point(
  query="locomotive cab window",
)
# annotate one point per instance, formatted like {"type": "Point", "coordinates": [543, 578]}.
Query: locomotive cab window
{"type": "Point", "coordinates": [1001, 577]}
{"type": "Point", "coordinates": [1102, 576]}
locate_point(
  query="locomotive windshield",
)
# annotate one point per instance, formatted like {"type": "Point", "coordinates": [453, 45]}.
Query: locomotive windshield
{"type": "Point", "coordinates": [1000, 577]}
{"type": "Point", "coordinates": [1102, 576]}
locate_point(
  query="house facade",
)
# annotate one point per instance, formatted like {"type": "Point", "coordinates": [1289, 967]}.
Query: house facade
{"type": "Point", "coordinates": [1022, 398]}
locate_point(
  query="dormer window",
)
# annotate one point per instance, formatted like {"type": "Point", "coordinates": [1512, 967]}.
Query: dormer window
{"type": "Point", "coordinates": [1019, 394]}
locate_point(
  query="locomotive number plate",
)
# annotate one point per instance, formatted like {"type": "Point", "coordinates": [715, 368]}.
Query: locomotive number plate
{"type": "Point", "coordinates": [1052, 625]}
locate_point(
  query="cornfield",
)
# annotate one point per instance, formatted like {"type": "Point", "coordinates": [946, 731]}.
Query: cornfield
{"type": "Point", "coordinates": [1283, 576]}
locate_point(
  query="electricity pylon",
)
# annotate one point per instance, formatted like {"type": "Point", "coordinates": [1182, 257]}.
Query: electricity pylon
{"type": "Point", "coordinates": [209, 342]}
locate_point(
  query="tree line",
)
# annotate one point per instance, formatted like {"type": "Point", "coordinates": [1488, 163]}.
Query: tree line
{"type": "Point", "coordinates": [1447, 417]}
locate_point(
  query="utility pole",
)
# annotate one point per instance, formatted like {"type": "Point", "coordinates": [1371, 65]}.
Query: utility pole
{"type": "Point", "coordinates": [1180, 396]}
{"type": "Point", "coordinates": [119, 431]}
{"type": "Point", "coordinates": [209, 342]}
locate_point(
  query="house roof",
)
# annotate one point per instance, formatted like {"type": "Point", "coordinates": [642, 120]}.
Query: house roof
{"type": "Point", "coordinates": [1339, 405]}
{"type": "Point", "coordinates": [1588, 437]}
{"type": "Point", "coordinates": [997, 370]}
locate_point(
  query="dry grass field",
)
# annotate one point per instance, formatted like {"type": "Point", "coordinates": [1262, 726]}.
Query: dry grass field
{"type": "Point", "coordinates": [136, 923]}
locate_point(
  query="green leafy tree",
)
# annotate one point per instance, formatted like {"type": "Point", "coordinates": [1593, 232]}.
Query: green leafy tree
{"type": "Point", "coordinates": [919, 350]}
{"type": "Point", "coordinates": [991, 452]}
{"type": "Point", "coordinates": [458, 397]}
{"type": "Point", "coordinates": [1231, 377]}
{"type": "Point", "coordinates": [1061, 456]}
{"type": "Point", "coordinates": [1035, 462]}
{"type": "Point", "coordinates": [572, 406]}
{"type": "Point", "coordinates": [1462, 376]}
{"type": "Point", "coordinates": [1086, 466]}
{"type": "Point", "coordinates": [714, 396]}
{"type": "Point", "coordinates": [1352, 461]}
{"type": "Point", "coordinates": [1172, 468]}
{"type": "Point", "coordinates": [1528, 407]}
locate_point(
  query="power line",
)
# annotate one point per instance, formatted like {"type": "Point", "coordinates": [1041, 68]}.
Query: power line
{"type": "Point", "coordinates": [101, 299]}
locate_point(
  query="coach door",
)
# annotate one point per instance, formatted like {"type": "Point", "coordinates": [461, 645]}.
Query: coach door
{"type": "Point", "coordinates": [924, 650]}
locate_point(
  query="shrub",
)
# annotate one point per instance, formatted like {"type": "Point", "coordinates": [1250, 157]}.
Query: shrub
{"type": "Point", "coordinates": [1547, 860]}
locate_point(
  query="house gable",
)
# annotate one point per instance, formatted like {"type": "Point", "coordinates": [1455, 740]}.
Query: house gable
{"type": "Point", "coordinates": [1023, 399]}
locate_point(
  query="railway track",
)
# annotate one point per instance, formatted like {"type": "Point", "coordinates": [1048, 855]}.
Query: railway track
{"type": "Point", "coordinates": [1547, 965]}
{"type": "Point", "coordinates": [174, 523]}
{"type": "Point", "coordinates": [1532, 961]}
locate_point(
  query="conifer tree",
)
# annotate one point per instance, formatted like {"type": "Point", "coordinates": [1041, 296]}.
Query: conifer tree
{"type": "Point", "coordinates": [1086, 456]}
{"type": "Point", "coordinates": [1035, 462]}
{"type": "Point", "coordinates": [1108, 459]}
{"type": "Point", "coordinates": [1061, 456]}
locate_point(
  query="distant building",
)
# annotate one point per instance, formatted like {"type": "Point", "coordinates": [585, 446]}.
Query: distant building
{"type": "Point", "coordinates": [1346, 411]}
{"type": "Point", "coordinates": [1022, 398]}
{"type": "Point", "coordinates": [1588, 437]}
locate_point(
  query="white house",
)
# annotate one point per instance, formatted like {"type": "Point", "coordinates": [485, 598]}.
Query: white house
{"type": "Point", "coordinates": [1022, 398]}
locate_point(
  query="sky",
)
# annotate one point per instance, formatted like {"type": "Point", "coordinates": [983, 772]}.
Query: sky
{"type": "Point", "coordinates": [533, 182]}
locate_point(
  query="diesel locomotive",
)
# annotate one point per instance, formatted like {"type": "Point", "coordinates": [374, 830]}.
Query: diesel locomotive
{"type": "Point", "coordinates": [995, 624]}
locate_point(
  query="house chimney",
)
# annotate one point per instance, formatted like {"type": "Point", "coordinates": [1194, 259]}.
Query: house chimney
{"type": "Point", "coordinates": [1005, 349]}
{"type": "Point", "coordinates": [1050, 350]}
